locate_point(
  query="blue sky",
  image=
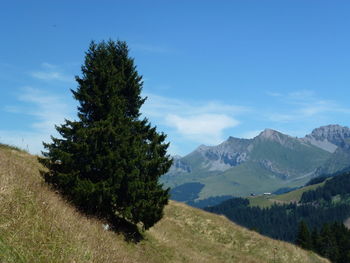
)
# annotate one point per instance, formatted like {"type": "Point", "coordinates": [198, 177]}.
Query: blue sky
{"type": "Point", "coordinates": [211, 69]}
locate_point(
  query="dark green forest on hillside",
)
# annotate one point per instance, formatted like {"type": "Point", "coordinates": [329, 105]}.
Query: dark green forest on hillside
{"type": "Point", "coordinates": [280, 221]}
{"type": "Point", "coordinates": [339, 185]}
{"type": "Point", "coordinates": [322, 210]}
{"type": "Point", "coordinates": [331, 241]}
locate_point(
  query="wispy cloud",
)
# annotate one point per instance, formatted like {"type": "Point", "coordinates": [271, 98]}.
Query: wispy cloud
{"type": "Point", "coordinates": [48, 109]}
{"type": "Point", "coordinates": [304, 105]}
{"type": "Point", "coordinates": [51, 76]}
{"type": "Point", "coordinates": [151, 48]}
{"type": "Point", "coordinates": [158, 105]}
{"type": "Point", "coordinates": [44, 110]}
{"type": "Point", "coordinates": [199, 122]}
{"type": "Point", "coordinates": [273, 94]}
{"type": "Point", "coordinates": [300, 95]}
{"type": "Point", "coordinates": [51, 72]}
{"type": "Point", "coordinates": [204, 128]}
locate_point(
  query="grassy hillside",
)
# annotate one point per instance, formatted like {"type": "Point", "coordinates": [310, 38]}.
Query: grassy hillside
{"type": "Point", "coordinates": [338, 161]}
{"type": "Point", "coordinates": [293, 196]}
{"type": "Point", "coordinates": [36, 225]}
{"type": "Point", "coordinates": [249, 177]}
{"type": "Point", "coordinates": [241, 180]}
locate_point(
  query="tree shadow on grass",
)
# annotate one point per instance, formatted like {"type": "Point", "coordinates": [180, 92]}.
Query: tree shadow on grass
{"type": "Point", "coordinates": [130, 231]}
{"type": "Point", "coordinates": [116, 224]}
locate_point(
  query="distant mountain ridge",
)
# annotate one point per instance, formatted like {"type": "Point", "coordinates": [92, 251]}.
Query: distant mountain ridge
{"type": "Point", "coordinates": [335, 134]}
{"type": "Point", "coordinates": [267, 162]}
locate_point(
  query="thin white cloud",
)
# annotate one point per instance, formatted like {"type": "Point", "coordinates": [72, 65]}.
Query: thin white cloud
{"type": "Point", "coordinates": [48, 65]}
{"type": "Point", "coordinates": [45, 110]}
{"type": "Point", "coordinates": [53, 75]}
{"type": "Point", "coordinates": [150, 48]}
{"type": "Point", "coordinates": [322, 106]}
{"type": "Point", "coordinates": [305, 105]}
{"type": "Point", "coordinates": [198, 122]}
{"type": "Point", "coordinates": [159, 105]}
{"type": "Point", "coordinates": [301, 95]}
{"type": "Point", "coordinates": [12, 109]}
{"type": "Point", "coordinates": [51, 72]}
{"type": "Point", "coordinates": [48, 109]}
{"type": "Point", "coordinates": [204, 128]}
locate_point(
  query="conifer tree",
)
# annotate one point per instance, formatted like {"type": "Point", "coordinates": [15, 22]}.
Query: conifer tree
{"type": "Point", "coordinates": [303, 238]}
{"type": "Point", "coordinates": [108, 162]}
{"type": "Point", "coordinates": [315, 239]}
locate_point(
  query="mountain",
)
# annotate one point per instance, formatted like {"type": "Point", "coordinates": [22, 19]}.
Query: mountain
{"type": "Point", "coordinates": [332, 134]}
{"type": "Point", "coordinates": [266, 163]}
{"type": "Point", "coordinates": [37, 225]}
{"type": "Point", "coordinates": [338, 138]}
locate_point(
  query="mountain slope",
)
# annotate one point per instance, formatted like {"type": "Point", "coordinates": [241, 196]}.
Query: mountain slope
{"type": "Point", "coordinates": [36, 225]}
{"type": "Point", "coordinates": [286, 198]}
{"type": "Point", "coordinates": [335, 139]}
{"type": "Point", "coordinates": [271, 160]}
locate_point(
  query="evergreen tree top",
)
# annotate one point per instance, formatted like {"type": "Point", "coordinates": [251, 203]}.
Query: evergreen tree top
{"type": "Point", "coordinates": [110, 83]}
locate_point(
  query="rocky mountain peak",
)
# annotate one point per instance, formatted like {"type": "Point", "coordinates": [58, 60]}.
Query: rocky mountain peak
{"type": "Point", "coordinates": [272, 135]}
{"type": "Point", "coordinates": [202, 148]}
{"type": "Point", "coordinates": [335, 134]}
{"type": "Point", "coordinates": [268, 133]}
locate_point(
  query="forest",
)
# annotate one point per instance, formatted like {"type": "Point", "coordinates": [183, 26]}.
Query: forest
{"type": "Point", "coordinates": [315, 223]}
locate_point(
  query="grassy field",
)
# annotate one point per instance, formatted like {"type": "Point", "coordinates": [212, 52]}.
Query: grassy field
{"type": "Point", "coordinates": [293, 196]}
{"type": "Point", "coordinates": [36, 225]}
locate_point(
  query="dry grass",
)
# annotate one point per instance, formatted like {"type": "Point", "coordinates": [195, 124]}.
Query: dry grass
{"type": "Point", "coordinates": [36, 225]}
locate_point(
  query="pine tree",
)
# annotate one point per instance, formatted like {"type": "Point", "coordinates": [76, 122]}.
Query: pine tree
{"type": "Point", "coordinates": [328, 244]}
{"type": "Point", "coordinates": [303, 238]}
{"type": "Point", "coordinates": [108, 162]}
{"type": "Point", "coordinates": [315, 239]}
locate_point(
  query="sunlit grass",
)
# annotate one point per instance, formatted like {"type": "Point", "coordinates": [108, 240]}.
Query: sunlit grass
{"type": "Point", "coordinates": [36, 225]}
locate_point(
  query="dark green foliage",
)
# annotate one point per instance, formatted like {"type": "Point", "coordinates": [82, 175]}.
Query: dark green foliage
{"type": "Point", "coordinates": [324, 177]}
{"type": "Point", "coordinates": [284, 190]}
{"type": "Point", "coordinates": [109, 161]}
{"type": "Point", "coordinates": [280, 221]}
{"type": "Point", "coordinates": [333, 242]}
{"type": "Point", "coordinates": [187, 191]}
{"type": "Point", "coordinates": [303, 237]}
{"type": "Point", "coordinates": [317, 180]}
{"type": "Point", "coordinates": [211, 201]}
{"type": "Point", "coordinates": [329, 238]}
{"type": "Point", "coordinates": [235, 202]}
{"type": "Point", "coordinates": [338, 185]}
